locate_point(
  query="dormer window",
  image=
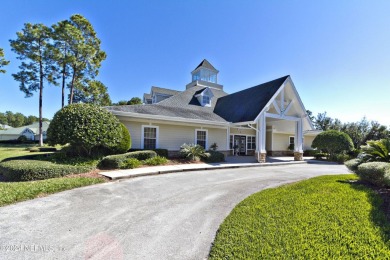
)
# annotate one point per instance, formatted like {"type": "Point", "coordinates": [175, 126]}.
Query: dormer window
{"type": "Point", "coordinates": [204, 97]}
{"type": "Point", "coordinates": [206, 100]}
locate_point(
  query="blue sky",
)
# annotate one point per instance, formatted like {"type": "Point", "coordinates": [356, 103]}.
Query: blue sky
{"type": "Point", "coordinates": [337, 52]}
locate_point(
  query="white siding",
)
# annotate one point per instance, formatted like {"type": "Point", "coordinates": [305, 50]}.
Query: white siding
{"type": "Point", "coordinates": [280, 142]}
{"type": "Point", "coordinates": [172, 136]}
{"type": "Point", "coordinates": [307, 141]}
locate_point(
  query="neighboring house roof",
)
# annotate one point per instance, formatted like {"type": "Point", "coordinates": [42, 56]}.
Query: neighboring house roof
{"type": "Point", "coordinates": [33, 127]}
{"type": "Point", "coordinates": [147, 96]}
{"type": "Point", "coordinates": [164, 91]}
{"type": "Point", "coordinates": [206, 64]}
{"type": "Point", "coordinates": [247, 104]}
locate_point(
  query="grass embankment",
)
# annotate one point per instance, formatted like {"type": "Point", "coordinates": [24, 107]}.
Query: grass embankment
{"type": "Point", "coordinates": [322, 218]}
{"type": "Point", "coordinates": [11, 192]}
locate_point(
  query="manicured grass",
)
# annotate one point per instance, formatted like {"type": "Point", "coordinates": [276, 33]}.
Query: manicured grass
{"type": "Point", "coordinates": [14, 150]}
{"type": "Point", "coordinates": [326, 217]}
{"type": "Point", "coordinates": [11, 192]}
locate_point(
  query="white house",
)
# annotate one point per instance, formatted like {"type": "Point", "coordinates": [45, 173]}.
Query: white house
{"type": "Point", "coordinates": [264, 119]}
{"type": "Point", "coordinates": [31, 132]}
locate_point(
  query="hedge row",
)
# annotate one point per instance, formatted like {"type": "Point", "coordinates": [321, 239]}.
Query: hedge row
{"type": "Point", "coordinates": [160, 152]}
{"type": "Point", "coordinates": [29, 170]}
{"type": "Point", "coordinates": [116, 161]}
{"type": "Point", "coordinates": [377, 173]}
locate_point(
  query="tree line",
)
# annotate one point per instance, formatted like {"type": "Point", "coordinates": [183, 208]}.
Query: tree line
{"type": "Point", "coordinates": [65, 54]}
{"type": "Point", "coordinates": [17, 119]}
{"type": "Point", "coordinates": [360, 132]}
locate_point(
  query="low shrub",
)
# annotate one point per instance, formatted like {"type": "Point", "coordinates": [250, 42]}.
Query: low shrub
{"type": "Point", "coordinates": [28, 170]}
{"type": "Point", "coordinates": [340, 158]}
{"type": "Point", "coordinates": [115, 161]}
{"type": "Point", "coordinates": [310, 152]}
{"type": "Point", "coordinates": [319, 156]}
{"type": "Point", "coordinates": [193, 152]}
{"type": "Point", "coordinates": [158, 160]}
{"type": "Point", "coordinates": [130, 163]}
{"type": "Point", "coordinates": [42, 149]}
{"type": "Point", "coordinates": [159, 151]}
{"type": "Point", "coordinates": [214, 157]}
{"type": "Point", "coordinates": [353, 164]}
{"type": "Point", "coordinates": [377, 173]}
{"type": "Point", "coordinates": [22, 139]}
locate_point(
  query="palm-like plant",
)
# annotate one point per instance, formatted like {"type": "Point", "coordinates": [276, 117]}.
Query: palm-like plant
{"type": "Point", "coordinates": [378, 151]}
{"type": "Point", "coordinates": [193, 152]}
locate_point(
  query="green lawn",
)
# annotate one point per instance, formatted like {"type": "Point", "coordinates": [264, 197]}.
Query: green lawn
{"type": "Point", "coordinates": [321, 218]}
{"type": "Point", "coordinates": [11, 192]}
{"type": "Point", "coordinates": [14, 150]}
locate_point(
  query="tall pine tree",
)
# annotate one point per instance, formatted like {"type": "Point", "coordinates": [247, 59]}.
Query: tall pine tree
{"type": "Point", "coordinates": [32, 46]}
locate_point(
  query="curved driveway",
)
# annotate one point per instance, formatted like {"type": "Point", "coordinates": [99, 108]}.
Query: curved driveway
{"type": "Point", "coordinates": [172, 216]}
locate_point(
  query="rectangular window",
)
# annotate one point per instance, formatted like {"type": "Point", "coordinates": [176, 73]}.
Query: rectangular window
{"type": "Point", "coordinates": [201, 138]}
{"type": "Point", "coordinates": [251, 140]}
{"type": "Point", "coordinates": [231, 142]}
{"type": "Point", "coordinates": [291, 139]}
{"type": "Point", "coordinates": [150, 137]}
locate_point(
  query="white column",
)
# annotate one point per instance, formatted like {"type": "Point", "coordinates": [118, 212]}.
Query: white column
{"type": "Point", "coordinates": [227, 138]}
{"type": "Point", "coordinates": [261, 126]}
{"type": "Point", "coordinates": [298, 140]}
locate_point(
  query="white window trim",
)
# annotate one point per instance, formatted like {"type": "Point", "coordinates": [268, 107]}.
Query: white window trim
{"type": "Point", "coordinates": [247, 141]}
{"type": "Point", "coordinates": [207, 137]}
{"type": "Point", "coordinates": [143, 135]}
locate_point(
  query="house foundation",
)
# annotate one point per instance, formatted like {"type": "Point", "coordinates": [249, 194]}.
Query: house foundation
{"type": "Point", "coordinates": [298, 156]}
{"type": "Point", "coordinates": [261, 157]}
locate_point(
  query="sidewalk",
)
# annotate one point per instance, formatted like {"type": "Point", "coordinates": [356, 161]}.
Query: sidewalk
{"type": "Point", "coordinates": [155, 170]}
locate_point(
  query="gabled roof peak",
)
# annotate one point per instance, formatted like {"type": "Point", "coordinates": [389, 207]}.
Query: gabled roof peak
{"type": "Point", "coordinates": [206, 64]}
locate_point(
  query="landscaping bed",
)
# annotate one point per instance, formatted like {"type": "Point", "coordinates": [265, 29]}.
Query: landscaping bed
{"type": "Point", "coordinates": [328, 217]}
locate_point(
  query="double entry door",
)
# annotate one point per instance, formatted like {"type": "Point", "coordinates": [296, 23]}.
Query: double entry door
{"type": "Point", "coordinates": [240, 143]}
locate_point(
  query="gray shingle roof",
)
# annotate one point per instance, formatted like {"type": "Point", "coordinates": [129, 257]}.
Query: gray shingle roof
{"type": "Point", "coordinates": [147, 96]}
{"type": "Point", "coordinates": [242, 106]}
{"type": "Point", "coordinates": [206, 64]}
{"type": "Point", "coordinates": [164, 91]}
{"type": "Point", "coordinates": [247, 104]}
{"type": "Point", "coordinates": [183, 105]}
{"type": "Point", "coordinates": [33, 127]}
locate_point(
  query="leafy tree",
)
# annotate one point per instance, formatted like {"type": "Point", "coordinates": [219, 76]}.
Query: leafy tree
{"type": "Point", "coordinates": [377, 150]}
{"type": "Point", "coordinates": [32, 45]}
{"type": "Point", "coordinates": [132, 101]}
{"type": "Point", "coordinates": [3, 62]}
{"type": "Point", "coordinates": [93, 92]}
{"type": "Point", "coordinates": [135, 101]}
{"type": "Point", "coordinates": [86, 128]}
{"type": "Point", "coordinates": [86, 53]}
{"type": "Point", "coordinates": [19, 120]}
{"type": "Point", "coordinates": [32, 119]}
{"type": "Point", "coordinates": [333, 142]}
{"type": "Point", "coordinates": [323, 122]}
{"type": "Point", "coordinates": [3, 119]}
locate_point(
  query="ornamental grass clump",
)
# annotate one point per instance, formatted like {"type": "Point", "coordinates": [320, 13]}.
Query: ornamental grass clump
{"type": "Point", "coordinates": [193, 152]}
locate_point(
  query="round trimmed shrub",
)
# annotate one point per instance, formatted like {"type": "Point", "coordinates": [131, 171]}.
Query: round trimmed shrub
{"type": "Point", "coordinates": [125, 143]}
{"type": "Point", "coordinates": [378, 173]}
{"type": "Point", "coordinates": [353, 164]}
{"type": "Point", "coordinates": [85, 127]}
{"type": "Point", "coordinates": [333, 142]}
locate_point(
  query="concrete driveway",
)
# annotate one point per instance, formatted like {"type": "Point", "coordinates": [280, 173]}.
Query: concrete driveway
{"type": "Point", "coordinates": [172, 216]}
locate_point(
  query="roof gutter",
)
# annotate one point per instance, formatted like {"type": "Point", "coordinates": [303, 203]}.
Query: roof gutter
{"type": "Point", "coordinates": [168, 118]}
